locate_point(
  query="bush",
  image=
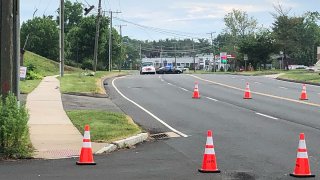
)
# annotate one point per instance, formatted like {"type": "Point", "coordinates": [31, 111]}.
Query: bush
{"type": "Point", "coordinates": [14, 134]}
{"type": "Point", "coordinates": [31, 75]}
{"type": "Point", "coordinates": [87, 64]}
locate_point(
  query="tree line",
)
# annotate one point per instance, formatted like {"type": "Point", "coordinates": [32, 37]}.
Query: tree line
{"type": "Point", "coordinates": [296, 37]}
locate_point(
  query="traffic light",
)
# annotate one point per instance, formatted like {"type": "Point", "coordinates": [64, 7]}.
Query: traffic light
{"type": "Point", "coordinates": [87, 10]}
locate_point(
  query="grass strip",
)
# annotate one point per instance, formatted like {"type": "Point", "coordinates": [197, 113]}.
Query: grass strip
{"type": "Point", "coordinates": [104, 126]}
{"type": "Point", "coordinates": [82, 82]}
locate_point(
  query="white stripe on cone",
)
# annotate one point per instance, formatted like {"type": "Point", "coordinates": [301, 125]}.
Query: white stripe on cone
{"type": "Point", "coordinates": [209, 151]}
{"type": "Point", "coordinates": [302, 155]}
{"type": "Point", "coordinates": [302, 144]}
{"type": "Point", "coordinates": [86, 144]}
{"type": "Point", "coordinates": [86, 135]}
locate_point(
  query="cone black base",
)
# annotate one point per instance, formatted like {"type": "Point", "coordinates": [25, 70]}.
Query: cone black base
{"type": "Point", "coordinates": [302, 176]}
{"type": "Point", "coordinates": [208, 171]}
{"type": "Point", "coordinates": [82, 163]}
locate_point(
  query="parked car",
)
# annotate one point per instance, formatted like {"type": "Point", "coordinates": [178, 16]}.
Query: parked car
{"type": "Point", "coordinates": [169, 70]}
{"type": "Point", "coordinates": [147, 68]}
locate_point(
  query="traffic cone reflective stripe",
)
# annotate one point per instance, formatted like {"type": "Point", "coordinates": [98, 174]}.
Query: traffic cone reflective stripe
{"type": "Point", "coordinates": [209, 163]}
{"type": "Point", "coordinates": [302, 168]}
{"type": "Point", "coordinates": [304, 95]}
{"type": "Point", "coordinates": [86, 156]}
{"type": "Point", "coordinates": [196, 94]}
{"type": "Point", "coordinates": [247, 92]}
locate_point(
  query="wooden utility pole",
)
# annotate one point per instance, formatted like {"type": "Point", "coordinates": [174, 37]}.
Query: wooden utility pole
{"type": "Point", "coordinates": [96, 40]}
{"type": "Point", "coordinates": [61, 39]}
{"type": "Point", "coordinates": [110, 40]}
{"type": "Point", "coordinates": [16, 49]}
{"type": "Point", "coordinates": [120, 60]}
{"type": "Point", "coordinates": [7, 49]}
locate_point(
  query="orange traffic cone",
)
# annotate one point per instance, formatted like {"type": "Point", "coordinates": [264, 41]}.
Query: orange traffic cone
{"type": "Point", "coordinates": [86, 157]}
{"type": "Point", "coordinates": [196, 94]}
{"type": "Point", "coordinates": [209, 163]}
{"type": "Point", "coordinates": [304, 95]}
{"type": "Point", "coordinates": [302, 168]}
{"type": "Point", "coordinates": [247, 92]}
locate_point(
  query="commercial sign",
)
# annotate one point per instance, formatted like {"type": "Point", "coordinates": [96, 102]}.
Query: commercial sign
{"type": "Point", "coordinates": [223, 57]}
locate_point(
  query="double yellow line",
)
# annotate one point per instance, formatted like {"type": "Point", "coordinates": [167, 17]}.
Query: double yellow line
{"type": "Point", "coordinates": [258, 93]}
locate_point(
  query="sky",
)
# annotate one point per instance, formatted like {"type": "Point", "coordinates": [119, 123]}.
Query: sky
{"type": "Point", "coordinates": [174, 19]}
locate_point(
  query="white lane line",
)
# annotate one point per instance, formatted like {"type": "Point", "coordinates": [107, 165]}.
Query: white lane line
{"type": "Point", "coordinates": [283, 87]}
{"type": "Point", "coordinates": [162, 80]}
{"type": "Point", "coordinates": [169, 84]}
{"type": "Point", "coordinates": [145, 110]}
{"type": "Point", "coordinates": [233, 77]}
{"type": "Point", "coordinates": [267, 116]}
{"type": "Point", "coordinates": [212, 99]}
{"type": "Point", "coordinates": [257, 83]}
{"type": "Point", "coordinates": [184, 89]}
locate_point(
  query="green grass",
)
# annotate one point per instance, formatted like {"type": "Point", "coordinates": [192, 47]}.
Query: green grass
{"type": "Point", "coordinates": [43, 67]}
{"type": "Point", "coordinates": [80, 83]}
{"type": "Point", "coordinates": [302, 75]}
{"type": "Point", "coordinates": [104, 126]}
{"type": "Point", "coordinates": [28, 86]}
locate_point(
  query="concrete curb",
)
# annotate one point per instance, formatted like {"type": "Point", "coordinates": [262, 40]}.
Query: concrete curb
{"type": "Point", "coordinates": [128, 142]}
{"type": "Point", "coordinates": [296, 81]}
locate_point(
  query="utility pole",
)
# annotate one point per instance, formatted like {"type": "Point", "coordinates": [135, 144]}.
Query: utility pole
{"type": "Point", "coordinates": [120, 60]}
{"type": "Point", "coordinates": [212, 46]}
{"type": "Point", "coordinates": [161, 56]}
{"type": "Point", "coordinates": [6, 49]}
{"type": "Point", "coordinates": [140, 53]}
{"type": "Point", "coordinates": [96, 39]}
{"type": "Point", "coordinates": [61, 40]}
{"type": "Point", "coordinates": [110, 40]}
{"type": "Point", "coordinates": [194, 58]}
{"type": "Point", "coordinates": [175, 56]}
{"type": "Point", "coordinates": [16, 49]}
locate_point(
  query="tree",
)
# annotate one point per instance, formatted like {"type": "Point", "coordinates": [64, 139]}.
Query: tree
{"type": "Point", "coordinates": [258, 47]}
{"type": "Point", "coordinates": [238, 24]}
{"type": "Point", "coordinates": [297, 36]}
{"type": "Point", "coordinates": [43, 36]}
{"type": "Point", "coordinates": [72, 15]}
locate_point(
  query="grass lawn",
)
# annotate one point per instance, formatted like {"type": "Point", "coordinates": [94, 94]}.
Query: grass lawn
{"type": "Point", "coordinates": [302, 75]}
{"type": "Point", "coordinates": [28, 86]}
{"type": "Point", "coordinates": [104, 126]}
{"type": "Point", "coordinates": [43, 67]}
{"type": "Point", "coordinates": [80, 83]}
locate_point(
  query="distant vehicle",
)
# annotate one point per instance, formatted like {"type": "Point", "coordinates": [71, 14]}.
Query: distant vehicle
{"type": "Point", "coordinates": [147, 68]}
{"type": "Point", "coordinates": [169, 70]}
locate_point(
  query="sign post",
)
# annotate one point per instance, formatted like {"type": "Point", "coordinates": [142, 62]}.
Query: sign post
{"type": "Point", "coordinates": [245, 58]}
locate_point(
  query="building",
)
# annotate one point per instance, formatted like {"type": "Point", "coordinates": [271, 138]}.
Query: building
{"type": "Point", "coordinates": [201, 61]}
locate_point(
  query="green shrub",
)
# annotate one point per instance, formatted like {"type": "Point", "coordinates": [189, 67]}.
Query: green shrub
{"type": "Point", "coordinates": [87, 64]}
{"type": "Point", "coordinates": [31, 75]}
{"type": "Point", "coordinates": [14, 134]}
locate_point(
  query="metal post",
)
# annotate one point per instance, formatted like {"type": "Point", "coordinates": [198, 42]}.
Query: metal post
{"type": "Point", "coordinates": [96, 39]}
{"type": "Point", "coordinates": [61, 39]}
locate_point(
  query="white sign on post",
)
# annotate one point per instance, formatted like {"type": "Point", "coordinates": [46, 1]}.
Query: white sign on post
{"type": "Point", "coordinates": [245, 57]}
{"type": "Point", "coordinates": [23, 72]}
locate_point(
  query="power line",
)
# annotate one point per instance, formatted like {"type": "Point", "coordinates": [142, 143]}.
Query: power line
{"type": "Point", "coordinates": [162, 31]}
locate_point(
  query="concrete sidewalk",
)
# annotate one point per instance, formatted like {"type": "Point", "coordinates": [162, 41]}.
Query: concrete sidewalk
{"type": "Point", "coordinates": [51, 131]}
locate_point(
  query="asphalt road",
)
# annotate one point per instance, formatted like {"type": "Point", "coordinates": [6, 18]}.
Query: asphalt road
{"type": "Point", "coordinates": [254, 139]}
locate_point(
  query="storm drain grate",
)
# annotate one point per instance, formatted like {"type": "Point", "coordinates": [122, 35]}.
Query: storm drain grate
{"type": "Point", "coordinates": [165, 135]}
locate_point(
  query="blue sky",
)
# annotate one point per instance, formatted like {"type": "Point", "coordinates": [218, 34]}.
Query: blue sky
{"type": "Point", "coordinates": [193, 18]}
